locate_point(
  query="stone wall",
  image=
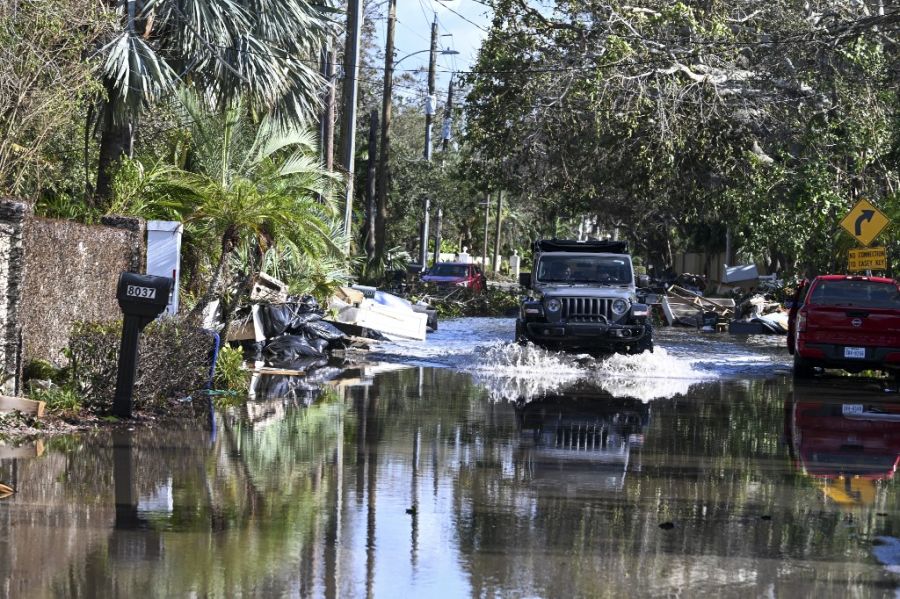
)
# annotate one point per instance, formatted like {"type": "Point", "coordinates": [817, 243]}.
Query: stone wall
{"type": "Point", "coordinates": [54, 273]}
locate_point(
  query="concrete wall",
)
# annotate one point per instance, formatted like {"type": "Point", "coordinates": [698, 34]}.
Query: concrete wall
{"type": "Point", "coordinates": [54, 273]}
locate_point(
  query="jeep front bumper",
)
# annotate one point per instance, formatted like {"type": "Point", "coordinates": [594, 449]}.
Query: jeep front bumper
{"type": "Point", "coordinates": [586, 334]}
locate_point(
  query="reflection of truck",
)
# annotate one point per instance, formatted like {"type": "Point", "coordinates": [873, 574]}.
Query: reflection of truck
{"type": "Point", "coordinates": [578, 441]}
{"type": "Point", "coordinates": [845, 444]}
{"type": "Point", "coordinates": [584, 297]}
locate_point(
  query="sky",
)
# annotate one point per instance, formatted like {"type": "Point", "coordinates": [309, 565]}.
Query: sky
{"type": "Point", "coordinates": [462, 25]}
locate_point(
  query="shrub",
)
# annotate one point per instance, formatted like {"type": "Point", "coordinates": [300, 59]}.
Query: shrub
{"type": "Point", "coordinates": [230, 372]}
{"type": "Point", "coordinates": [174, 361]}
{"type": "Point", "coordinates": [62, 401]}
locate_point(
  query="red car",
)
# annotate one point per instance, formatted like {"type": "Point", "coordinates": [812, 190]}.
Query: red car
{"type": "Point", "coordinates": [456, 274]}
{"type": "Point", "coordinates": [848, 322]}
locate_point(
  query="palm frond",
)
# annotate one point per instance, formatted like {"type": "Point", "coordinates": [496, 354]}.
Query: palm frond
{"type": "Point", "coordinates": [138, 75]}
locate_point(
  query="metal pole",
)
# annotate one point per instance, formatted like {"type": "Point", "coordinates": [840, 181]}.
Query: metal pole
{"type": "Point", "coordinates": [487, 217]}
{"type": "Point", "coordinates": [437, 235]}
{"type": "Point", "coordinates": [423, 238]}
{"type": "Point", "coordinates": [348, 124]}
{"type": "Point", "coordinates": [497, 236]}
{"type": "Point", "coordinates": [430, 103]}
{"type": "Point", "coordinates": [128, 362]}
{"type": "Point", "coordinates": [386, 106]}
{"type": "Point", "coordinates": [447, 133]}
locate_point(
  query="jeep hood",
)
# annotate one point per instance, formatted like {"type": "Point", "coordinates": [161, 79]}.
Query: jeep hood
{"type": "Point", "coordinates": [581, 290]}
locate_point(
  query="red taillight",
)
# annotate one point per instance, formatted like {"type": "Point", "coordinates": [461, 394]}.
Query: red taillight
{"type": "Point", "coordinates": [801, 322]}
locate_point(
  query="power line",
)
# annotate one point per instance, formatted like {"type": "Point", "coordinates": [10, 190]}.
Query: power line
{"type": "Point", "coordinates": [461, 16]}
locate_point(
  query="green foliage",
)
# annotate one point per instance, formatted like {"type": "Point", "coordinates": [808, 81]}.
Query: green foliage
{"type": "Point", "coordinates": [230, 372]}
{"type": "Point", "coordinates": [260, 55]}
{"type": "Point", "coordinates": [671, 121]}
{"type": "Point", "coordinates": [61, 401]}
{"type": "Point", "coordinates": [46, 81]}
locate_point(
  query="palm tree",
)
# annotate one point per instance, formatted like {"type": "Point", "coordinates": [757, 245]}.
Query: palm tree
{"type": "Point", "coordinates": [256, 186]}
{"type": "Point", "coordinates": [261, 51]}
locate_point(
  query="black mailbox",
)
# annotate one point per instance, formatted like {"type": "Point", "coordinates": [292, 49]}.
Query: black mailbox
{"type": "Point", "coordinates": [143, 295]}
{"type": "Point", "coordinates": [141, 298]}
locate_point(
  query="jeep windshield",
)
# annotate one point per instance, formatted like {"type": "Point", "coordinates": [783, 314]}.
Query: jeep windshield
{"type": "Point", "coordinates": [595, 269]}
{"type": "Point", "coordinates": [848, 292]}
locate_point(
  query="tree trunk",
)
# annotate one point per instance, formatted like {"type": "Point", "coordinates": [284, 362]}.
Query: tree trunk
{"type": "Point", "coordinates": [370, 235]}
{"type": "Point", "coordinates": [212, 290]}
{"type": "Point", "coordinates": [116, 141]}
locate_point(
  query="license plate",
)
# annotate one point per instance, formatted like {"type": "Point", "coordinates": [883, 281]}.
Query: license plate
{"type": "Point", "coordinates": [852, 409]}
{"type": "Point", "coordinates": [854, 352]}
{"type": "Point", "coordinates": [142, 292]}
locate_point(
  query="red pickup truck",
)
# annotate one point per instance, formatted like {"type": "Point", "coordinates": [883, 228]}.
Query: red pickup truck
{"type": "Point", "coordinates": [848, 322]}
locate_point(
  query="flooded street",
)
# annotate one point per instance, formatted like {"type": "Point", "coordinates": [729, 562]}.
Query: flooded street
{"type": "Point", "coordinates": [471, 467]}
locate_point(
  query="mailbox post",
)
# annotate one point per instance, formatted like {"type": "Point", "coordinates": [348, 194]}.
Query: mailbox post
{"type": "Point", "coordinates": [142, 298]}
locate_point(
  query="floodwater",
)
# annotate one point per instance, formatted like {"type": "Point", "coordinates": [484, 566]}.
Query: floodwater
{"type": "Point", "coordinates": [471, 467]}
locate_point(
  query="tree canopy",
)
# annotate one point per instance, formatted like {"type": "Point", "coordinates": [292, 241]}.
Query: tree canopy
{"type": "Point", "coordinates": [672, 121]}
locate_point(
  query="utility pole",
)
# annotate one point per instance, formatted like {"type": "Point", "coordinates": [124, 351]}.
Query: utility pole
{"type": "Point", "coordinates": [370, 186]}
{"type": "Point", "coordinates": [348, 123]}
{"type": "Point", "coordinates": [497, 236]}
{"type": "Point", "coordinates": [487, 217]}
{"type": "Point", "coordinates": [423, 234]}
{"type": "Point", "coordinates": [437, 235]}
{"type": "Point", "coordinates": [430, 101]}
{"type": "Point", "coordinates": [448, 118]}
{"type": "Point", "coordinates": [384, 172]}
{"type": "Point", "coordinates": [328, 121]}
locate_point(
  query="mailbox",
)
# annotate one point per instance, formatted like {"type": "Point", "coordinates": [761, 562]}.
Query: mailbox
{"type": "Point", "coordinates": [141, 298]}
{"type": "Point", "coordinates": [143, 295]}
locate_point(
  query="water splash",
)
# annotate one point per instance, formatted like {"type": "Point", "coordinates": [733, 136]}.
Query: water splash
{"type": "Point", "coordinates": [512, 372]}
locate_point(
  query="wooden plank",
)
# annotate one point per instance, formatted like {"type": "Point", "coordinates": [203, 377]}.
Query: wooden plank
{"type": "Point", "coordinates": [26, 406]}
{"type": "Point", "coordinates": [287, 371]}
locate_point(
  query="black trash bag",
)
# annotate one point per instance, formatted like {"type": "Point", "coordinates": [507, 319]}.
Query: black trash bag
{"type": "Point", "coordinates": [253, 350]}
{"type": "Point", "coordinates": [320, 344]}
{"type": "Point", "coordinates": [290, 347]}
{"type": "Point", "coordinates": [322, 330]}
{"type": "Point", "coordinates": [307, 304]}
{"type": "Point", "coordinates": [277, 318]}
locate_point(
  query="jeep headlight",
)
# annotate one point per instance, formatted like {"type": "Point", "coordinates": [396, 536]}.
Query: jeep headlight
{"type": "Point", "coordinates": [553, 305]}
{"type": "Point", "coordinates": [619, 307]}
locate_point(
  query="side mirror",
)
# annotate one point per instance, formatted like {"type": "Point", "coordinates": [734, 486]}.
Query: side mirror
{"type": "Point", "coordinates": [525, 279]}
{"type": "Point", "coordinates": [643, 281]}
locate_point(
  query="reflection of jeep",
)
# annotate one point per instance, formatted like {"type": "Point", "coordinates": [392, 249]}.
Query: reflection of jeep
{"type": "Point", "coordinates": [584, 298]}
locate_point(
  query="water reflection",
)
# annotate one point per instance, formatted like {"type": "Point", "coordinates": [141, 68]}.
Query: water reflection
{"type": "Point", "coordinates": [414, 483]}
{"type": "Point", "coordinates": [582, 440]}
{"type": "Point", "coordinates": [845, 439]}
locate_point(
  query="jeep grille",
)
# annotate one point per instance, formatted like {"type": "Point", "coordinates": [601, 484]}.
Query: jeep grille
{"type": "Point", "coordinates": [586, 309]}
{"type": "Point", "coordinates": [581, 437]}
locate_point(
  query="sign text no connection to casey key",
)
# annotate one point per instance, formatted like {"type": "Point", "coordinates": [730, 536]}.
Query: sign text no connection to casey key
{"type": "Point", "coordinates": [868, 259]}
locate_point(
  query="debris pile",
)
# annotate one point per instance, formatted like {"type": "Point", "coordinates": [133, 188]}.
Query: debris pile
{"type": "Point", "coordinates": [285, 332]}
